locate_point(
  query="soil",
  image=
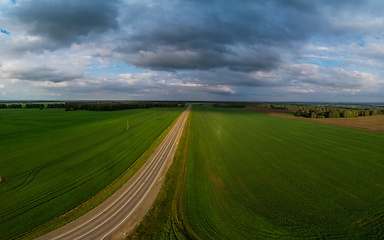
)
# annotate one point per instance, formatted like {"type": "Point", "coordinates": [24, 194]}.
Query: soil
{"type": "Point", "coordinates": [371, 123]}
{"type": "Point", "coordinates": [4, 179]}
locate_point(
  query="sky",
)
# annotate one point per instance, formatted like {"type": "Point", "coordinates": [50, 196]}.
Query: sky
{"type": "Point", "coordinates": [192, 50]}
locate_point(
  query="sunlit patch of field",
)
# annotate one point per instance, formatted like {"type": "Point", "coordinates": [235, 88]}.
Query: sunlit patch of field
{"type": "Point", "coordinates": [252, 175]}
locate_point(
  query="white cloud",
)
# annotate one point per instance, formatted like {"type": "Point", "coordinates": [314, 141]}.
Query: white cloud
{"type": "Point", "coordinates": [187, 84]}
{"type": "Point", "coordinates": [298, 90]}
{"type": "Point", "coordinates": [48, 84]}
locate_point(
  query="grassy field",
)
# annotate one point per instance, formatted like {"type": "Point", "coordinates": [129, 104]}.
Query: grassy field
{"type": "Point", "coordinates": [55, 160]}
{"type": "Point", "coordinates": [252, 175]}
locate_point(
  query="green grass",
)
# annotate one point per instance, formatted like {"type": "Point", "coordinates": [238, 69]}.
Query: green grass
{"type": "Point", "coordinates": [252, 175]}
{"type": "Point", "coordinates": [56, 160]}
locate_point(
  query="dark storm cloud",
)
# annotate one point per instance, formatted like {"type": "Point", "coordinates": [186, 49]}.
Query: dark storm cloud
{"type": "Point", "coordinates": [40, 74]}
{"type": "Point", "coordinates": [185, 35]}
{"type": "Point", "coordinates": [225, 77]}
{"type": "Point", "coordinates": [170, 60]}
{"type": "Point", "coordinates": [243, 36]}
{"type": "Point", "coordinates": [65, 21]}
{"type": "Point", "coordinates": [215, 26]}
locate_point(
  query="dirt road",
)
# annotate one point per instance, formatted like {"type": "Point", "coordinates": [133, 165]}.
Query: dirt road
{"type": "Point", "coordinates": [120, 213]}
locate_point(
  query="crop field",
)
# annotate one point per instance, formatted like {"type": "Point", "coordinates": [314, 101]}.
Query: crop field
{"type": "Point", "coordinates": [251, 175]}
{"type": "Point", "coordinates": [54, 160]}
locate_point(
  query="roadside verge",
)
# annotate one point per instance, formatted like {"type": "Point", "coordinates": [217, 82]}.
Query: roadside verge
{"type": "Point", "coordinates": [165, 219]}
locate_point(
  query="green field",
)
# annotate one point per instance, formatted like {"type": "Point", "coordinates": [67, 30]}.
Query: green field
{"type": "Point", "coordinates": [252, 175]}
{"type": "Point", "coordinates": [55, 160]}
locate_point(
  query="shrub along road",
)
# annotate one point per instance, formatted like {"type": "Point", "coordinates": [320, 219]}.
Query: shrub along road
{"type": "Point", "coordinates": [124, 209]}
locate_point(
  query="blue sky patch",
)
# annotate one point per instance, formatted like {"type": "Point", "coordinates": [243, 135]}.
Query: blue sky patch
{"type": "Point", "coordinates": [362, 42]}
{"type": "Point", "coordinates": [327, 63]}
{"type": "Point", "coordinates": [118, 68]}
{"type": "Point", "coordinates": [4, 31]}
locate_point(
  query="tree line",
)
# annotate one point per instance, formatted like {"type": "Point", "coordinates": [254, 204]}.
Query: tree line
{"type": "Point", "coordinates": [97, 106]}
{"type": "Point", "coordinates": [309, 111]}
{"type": "Point", "coordinates": [32, 105]}
{"type": "Point", "coordinates": [10, 105]}
{"type": "Point", "coordinates": [335, 112]}
{"type": "Point", "coordinates": [230, 105]}
{"type": "Point", "coordinates": [116, 106]}
{"type": "Point", "coordinates": [256, 105]}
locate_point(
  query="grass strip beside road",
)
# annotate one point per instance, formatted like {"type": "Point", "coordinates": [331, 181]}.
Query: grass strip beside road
{"type": "Point", "coordinates": [98, 198]}
{"type": "Point", "coordinates": [164, 219]}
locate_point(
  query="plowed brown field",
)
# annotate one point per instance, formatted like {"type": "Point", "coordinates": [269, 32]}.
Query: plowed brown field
{"type": "Point", "coordinates": [372, 123]}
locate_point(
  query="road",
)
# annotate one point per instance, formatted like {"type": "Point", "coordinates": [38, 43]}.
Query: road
{"type": "Point", "coordinates": [121, 212]}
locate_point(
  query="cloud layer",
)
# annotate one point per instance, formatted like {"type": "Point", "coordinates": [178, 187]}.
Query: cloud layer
{"type": "Point", "coordinates": [208, 50]}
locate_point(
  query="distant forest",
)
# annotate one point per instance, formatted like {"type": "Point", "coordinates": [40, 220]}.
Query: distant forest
{"type": "Point", "coordinates": [312, 111]}
{"type": "Point", "coordinates": [96, 106]}
{"type": "Point", "coordinates": [115, 106]}
{"type": "Point", "coordinates": [301, 110]}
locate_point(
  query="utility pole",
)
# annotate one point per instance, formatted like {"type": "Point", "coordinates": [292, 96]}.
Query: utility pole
{"type": "Point", "coordinates": [127, 124]}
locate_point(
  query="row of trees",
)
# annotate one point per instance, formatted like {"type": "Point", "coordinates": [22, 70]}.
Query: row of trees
{"type": "Point", "coordinates": [230, 105]}
{"type": "Point", "coordinates": [56, 105]}
{"type": "Point", "coordinates": [97, 106]}
{"type": "Point", "coordinates": [256, 105]}
{"type": "Point", "coordinates": [321, 111]}
{"type": "Point", "coordinates": [115, 106]}
{"type": "Point", "coordinates": [309, 111]}
{"type": "Point", "coordinates": [35, 105]}
{"type": "Point", "coordinates": [333, 112]}
{"type": "Point", "coordinates": [10, 106]}
{"type": "Point", "coordinates": [32, 105]}
{"type": "Point", "coordinates": [274, 105]}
